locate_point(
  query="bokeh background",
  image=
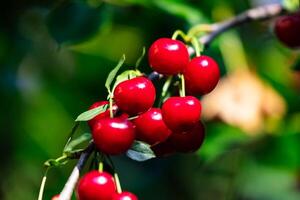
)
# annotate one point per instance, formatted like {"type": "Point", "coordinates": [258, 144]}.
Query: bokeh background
{"type": "Point", "coordinates": [55, 56]}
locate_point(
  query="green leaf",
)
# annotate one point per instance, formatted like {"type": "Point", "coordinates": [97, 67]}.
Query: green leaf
{"type": "Point", "coordinates": [81, 139]}
{"type": "Point", "coordinates": [140, 151]}
{"type": "Point", "coordinates": [90, 114]}
{"type": "Point", "coordinates": [112, 74]}
{"type": "Point", "coordinates": [139, 60]}
{"type": "Point", "coordinates": [166, 86]}
{"type": "Point", "coordinates": [71, 134]}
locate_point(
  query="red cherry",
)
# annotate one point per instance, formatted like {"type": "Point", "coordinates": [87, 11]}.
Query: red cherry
{"type": "Point", "coordinates": [287, 29]}
{"type": "Point", "coordinates": [189, 141]}
{"type": "Point", "coordinates": [113, 135]}
{"type": "Point", "coordinates": [135, 96]}
{"type": "Point", "coordinates": [96, 185]}
{"type": "Point", "coordinates": [201, 75]}
{"type": "Point", "coordinates": [56, 197]}
{"type": "Point", "coordinates": [168, 56]}
{"type": "Point", "coordinates": [164, 148]}
{"type": "Point", "coordinates": [125, 196]}
{"type": "Point", "coordinates": [150, 127]}
{"type": "Point", "coordinates": [181, 113]}
{"type": "Point", "coordinates": [101, 115]}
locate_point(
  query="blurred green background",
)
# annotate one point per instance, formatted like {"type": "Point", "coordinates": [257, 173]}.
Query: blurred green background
{"type": "Point", "coordinates": [55, 56]}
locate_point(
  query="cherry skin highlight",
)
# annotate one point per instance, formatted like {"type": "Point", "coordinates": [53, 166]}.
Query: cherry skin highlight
{"type": "Point", "coordinates": [135, 96]}
{"type": "Point", "coordinates": [101, 115]}
{"type": "Point", "coordinates": [287, 30]}
{"type": "Point", "coordinates": [201, 75]}
{"type": "Point", "coordinates": [168, 56]}
{"type": "Point", "coordinates": [181, 113]}
{"type": "Point", "coordinates": [113, 135]}
{"type": "Point", "coordinates": [96, 185]}
{"type": "Point", "coordinates": [150, 127]}
{"type": "Point", "coordinates": [189, 141]}
{"type": "Point", "coordinates": [125, 196]}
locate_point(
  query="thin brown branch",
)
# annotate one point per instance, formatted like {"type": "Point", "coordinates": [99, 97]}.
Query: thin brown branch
{"type": "Point", "coordinates": [68, 189]}
{"type": "Point", "coordinates": [254, 14]}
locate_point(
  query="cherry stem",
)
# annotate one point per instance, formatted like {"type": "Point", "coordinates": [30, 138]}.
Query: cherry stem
{"type": "Point", "coordinates": [182, 88]}
{"type": "Point", "coordinates": [100, 167]}
{"type": "Point", "coordinates": [117, 180]}
{"type": "Point", "coordinates": [180, 33]}
{"type": "Point", "coordinates": [196, 45]}
{"type": "Point", "coordinates": [132, 118]}
{"type": "Point", "coordinates": [42, 187]}
{"type": "Point", "coordinates": [111, 114]}
{"type": "Point", "coordinates": [201, 28]}
{"type": "Point", "coordinates": [63, 157]}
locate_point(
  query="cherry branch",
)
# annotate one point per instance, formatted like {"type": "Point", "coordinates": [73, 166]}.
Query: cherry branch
{"type": "Point", "coordinates": [255, 14]}
{"type": "Point", "coordinates": [68, 189]}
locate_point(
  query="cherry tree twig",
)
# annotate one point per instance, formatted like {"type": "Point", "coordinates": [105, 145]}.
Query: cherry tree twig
{"type": "Point", "coordinates": [68, 189]}
{"type": "Point", "coordinates": [254, 14]}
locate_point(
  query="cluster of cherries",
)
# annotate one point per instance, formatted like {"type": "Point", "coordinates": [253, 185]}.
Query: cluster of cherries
{"type": "Point", "coordinates": [175, 127]}
{"type": "Point", "coordinates": [287, 29]}
{"type": "Point", "coordinates": [176, 122]}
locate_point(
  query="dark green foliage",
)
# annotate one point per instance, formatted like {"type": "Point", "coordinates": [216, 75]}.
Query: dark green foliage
{"type": "Point", "coordinates": [55, 57]}
{"type": "Point", "coordinates": [73, 21]}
